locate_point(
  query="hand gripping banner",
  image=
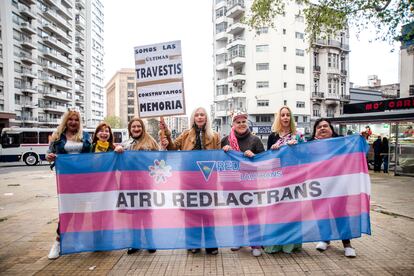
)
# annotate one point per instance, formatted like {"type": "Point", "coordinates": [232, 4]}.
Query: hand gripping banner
{"type": "Point", "coordinates": [314, 191]}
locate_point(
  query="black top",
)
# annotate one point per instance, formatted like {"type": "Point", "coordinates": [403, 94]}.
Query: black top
{"type": "Point", "coordinates": [247, 141]}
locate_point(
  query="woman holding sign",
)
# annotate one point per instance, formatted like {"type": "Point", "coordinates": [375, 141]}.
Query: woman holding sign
{"type": "Point", "coordinates": [284, 134]}
{"type": "Point", "coordinates": [140, 139]}
{"type": "Point", "coordinates": [199, 137]}
{"type": "Point", "coordinates": [241, 139]}
{"type": "Point", "coordinates": [323, 130]}
{"type": "Point", "coordinates": [68, 138]}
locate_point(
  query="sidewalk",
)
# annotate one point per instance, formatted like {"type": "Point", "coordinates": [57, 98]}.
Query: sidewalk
{"type": "Point", "coordinates": [28, 216]}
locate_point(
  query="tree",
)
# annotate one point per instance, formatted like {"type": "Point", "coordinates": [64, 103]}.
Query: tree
{"type": "Point", "coordinates": [327, 17]}
{"type": "Point", "coordinates": [114, 121]}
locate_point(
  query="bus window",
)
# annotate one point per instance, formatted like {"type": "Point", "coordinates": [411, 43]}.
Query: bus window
{"type": "Point", "coordinates": [44, 137]}
{"type": "Point", "coordinates": [10, 140]}
{"type": "Point", "coordinates": [30, 137]}
{"type": "Point", "coordinates": [117, 137]}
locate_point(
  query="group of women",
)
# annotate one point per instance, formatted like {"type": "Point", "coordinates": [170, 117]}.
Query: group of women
{"type": "Point", "coordinates": [70, 138]}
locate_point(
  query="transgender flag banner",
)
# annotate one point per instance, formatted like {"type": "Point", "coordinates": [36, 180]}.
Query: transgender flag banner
{"type": "Point", "coordinates": [309, 192]}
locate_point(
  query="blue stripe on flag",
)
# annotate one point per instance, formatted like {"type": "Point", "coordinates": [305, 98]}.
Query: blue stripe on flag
{"type": "Point", "coordinates": [228, 236]}
{"type": "Point", "coordinates": [187, 160]}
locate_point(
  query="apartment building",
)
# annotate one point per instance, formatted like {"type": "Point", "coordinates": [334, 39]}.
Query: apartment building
{"type": "Point", "coordinates": [51, 59]}
{"type": "Point", "coordinates": [258, 71]}
{"type": "Point", "coordinates": [121, 94]}
{"type": "Point", "coordinates": [406, 72]}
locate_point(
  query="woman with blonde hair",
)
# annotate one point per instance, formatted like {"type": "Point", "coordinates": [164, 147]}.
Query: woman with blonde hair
{"type": "Point", "coordinates": [284, 133]}
{"type": "Point", "coordinates": [140, 139]}
{"type": "Point", "coordinates": [69, 137]}
{"type": "Point", "coordinates": [200, 136]}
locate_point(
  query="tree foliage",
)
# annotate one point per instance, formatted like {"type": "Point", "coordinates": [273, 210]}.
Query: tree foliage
{"type": "Point", "coordinates": [327, 17]}
{"type": "Point", "coordinates": [113, 121]}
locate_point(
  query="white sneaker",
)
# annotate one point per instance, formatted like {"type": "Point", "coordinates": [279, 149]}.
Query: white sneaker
{"type": "Point", "coordinates": [256, 252]}
{"type": "Point", "coordinates": [54, 251]}
{"type": "Point", "coordinates": [322, 246]}
{"type": "Point", "coordinates": [350, 252]}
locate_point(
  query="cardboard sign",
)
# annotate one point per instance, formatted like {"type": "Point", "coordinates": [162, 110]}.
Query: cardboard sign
{"type": "Point", "coordinates": [159, 76]}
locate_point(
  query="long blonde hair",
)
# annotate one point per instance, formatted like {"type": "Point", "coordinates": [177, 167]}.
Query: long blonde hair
{"type": "Point", "coordinates": [277, 125]}
{"type": "Point", "coordinates": [62, 126]}
{"type": "Point", "coordinates": [209, 133]}
{"type": "Point", "coordinates": [145, 141]}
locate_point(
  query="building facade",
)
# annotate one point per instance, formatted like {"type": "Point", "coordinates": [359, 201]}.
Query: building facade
{"type": "Point", "coordinates": [407, 61]}
{"type": "Point", "coordinates": [260, 71]}
{"type": "Point", "coordinates": [121, 98]}
{"type": "Point", "coordinates": [47, 61]}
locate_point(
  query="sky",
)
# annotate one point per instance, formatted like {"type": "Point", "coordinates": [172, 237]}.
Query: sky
{"type": "Point", "coordinates": [130, 23]}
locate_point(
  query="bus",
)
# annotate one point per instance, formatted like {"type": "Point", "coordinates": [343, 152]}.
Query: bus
{"type": "Point", "coordinates": [31, 144]}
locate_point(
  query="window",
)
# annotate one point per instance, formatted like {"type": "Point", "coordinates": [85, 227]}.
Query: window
{"type": "Point", "coordinates": [222, 89]}
{"type": "Point", "coordinates": [44, 137]}
{"type": "Point", "coordinates": [284, 67]}
{"type": "Point", "coordinates": [130, 78]}
{"type": "Point", "coordinates": [333, 60]}
{"type": "Point", "coordinates": [118, 136]}
{"type": "Point", "coordinates": [300, 70]}
{"type": "Point", "coordinates": [299, 35]}
{"type": "Point", "coordinates": [262, 84]}
{"type": "Point", "coordinates": [131, 85]}
{"type": "Point", "coordinates": [262, 30]}
{"type": "Point", "coordinates": [262, 48]}
{"type": "Point", "coordinates": [333, 86]}
{"type": "Point", "coordinates": [284, 31]}
{"type": "Point", "coordinates": [221, 12]}
{"type": "Point", "coordinates": [130, 94]}
{"type": "Point", "coordinates": [300, 52]}
{"type": "Point", "coordinates": [284, 49]}
{"type": "Point", "coordinates": [262, 66]}
{"type": "Point", "coordinates": [285, 85]}
{"type": "Point", "coordinates": [411, 90]}
{"type": "Point", "coordinates": [300, 104]}
{"type": "Point", "coordinates": [300, 87]}
{"type": "Point", "coordinates": [30, 138]}
{"type": "Point", "coordinates": [263, 118]}
{"type": "Point", "coordinates": [262, 102]}
{"type": "Point", "coordinates": [284, 102]}
{"type": "Point", "coordinates": [131, 102]}
{"type": "Point", "coordinates": [221, 27]}
{"type": "Point", "coordinates": [130, 110]}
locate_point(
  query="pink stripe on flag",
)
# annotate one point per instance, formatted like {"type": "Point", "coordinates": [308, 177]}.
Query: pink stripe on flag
{"type": "Point", "coordinates": [141, 180]}
{"type": "Point", "coordinates": [328, 208]}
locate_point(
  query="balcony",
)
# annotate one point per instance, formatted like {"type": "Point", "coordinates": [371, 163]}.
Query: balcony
{"type": "Point", "coordinates": [28, 104]}
{"type": "Point", "coordinates": [80, 22]}
{"type": "Point", "coordinates": [332, 99]}
{"type": "Point", "coordinates": [53, 94]}
{"type": "Point", "coordinates": [56, 56]}
{"type": "Point", "coordinates": [54, 16]}
{"type": "Point", "coordinates": [28, 88]}
{"type": "Point", "coordinates": [52, 41]}
{"type": "Point", "coordinates": [236, 41]}
{"type": "Point", "coordinates": [79, 89]}
{"type": "Point", "coordinates": [239, 77]}
{"type": "Point", "coordinates": [53, 68]}
{"type": "Point", "coordinates": [26, 72]}
{"type": "Point", "coordinates": [26, 119]}
{"type": "Point", "coordinates": [28, 28]}
{"type": "Point", "coordinates": [28, 43]}
{"type": "Point", "coordinates": [27, 58]}
{"type": "Point", "coordinates": [332, 43]}
{"type": "Point", "coordinates": [221, 65]}
{"type": "Point", "coordinates": [79, 78]}
{"type": "Point", "coordinates": [345, 98]}
{"type": "Point", "coordinates": [80, 4]}
{"type": "Point", "coordinates": [236, 60]}
{"type": "Point", "coordinates": [48, 121]}
{"type": "Point", "coordinates": [236, 28]}
{"type": "Point", "coordinates": [48, 26]}
{"type": "Point", "coordinates": [79, 68]}
{"type": "Point", "coordinates": [235, 8]}
{"type": "Point", "coordinates": [222, 36]}
{"type": "Point", "coordinates": [317, 96]}
{"type": "Point", "coordinates": [56, 82]}
{"type": "Point", "coordinates": [26, 11]}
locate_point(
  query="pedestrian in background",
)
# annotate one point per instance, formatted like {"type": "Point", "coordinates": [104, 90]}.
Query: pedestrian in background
{"type": "Point", "coordinates": [69, 138]}
{"type": "Point", "coordinates": [241, 139]}
{"type": "Point", "coordinates": [140, 139]}
{"type": "Point", "coordinates": [200, 136]}
{"type": "Point", "coordinates": [385, 153]}
{"type": "Point", "coordinates": [377, 145]}
{"type": "Point", "coordinates": [322, 129]}
{"type": "Point", "coordinates": [284, 133]}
